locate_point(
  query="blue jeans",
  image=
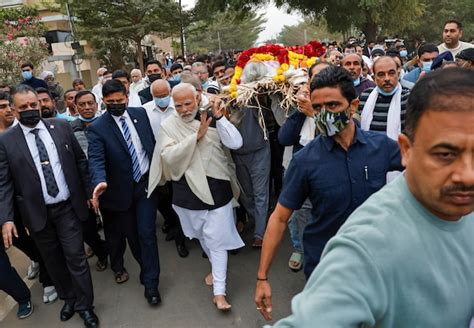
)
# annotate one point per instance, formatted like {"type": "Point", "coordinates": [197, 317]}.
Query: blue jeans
{"type": "Point", "coordinates": [297, 223]}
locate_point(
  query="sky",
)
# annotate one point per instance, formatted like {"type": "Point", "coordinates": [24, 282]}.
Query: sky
{"type": "Point", "coordinates": [276, 19]}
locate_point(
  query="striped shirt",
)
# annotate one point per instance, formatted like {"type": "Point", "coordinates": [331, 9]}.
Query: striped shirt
{"type": "Point", "coordinates": [379, 120]}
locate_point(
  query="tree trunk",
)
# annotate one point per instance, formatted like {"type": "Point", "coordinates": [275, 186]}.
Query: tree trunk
{"type": "Point", "coordinates": [138, 42]}
{"type": "Point", "coordinates": [370, 29]}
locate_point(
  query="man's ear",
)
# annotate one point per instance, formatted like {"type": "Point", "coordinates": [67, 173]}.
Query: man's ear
{"type": "Point", "coordinates": [405, 148]}
{"type": "Point", "coordinates": [354, 106]}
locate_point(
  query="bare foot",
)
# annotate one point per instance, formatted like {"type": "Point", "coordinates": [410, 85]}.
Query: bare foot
{"type": "Point", "coordinates": [221, 303]}
{"type": "Point", "coordinates": [208, 280]}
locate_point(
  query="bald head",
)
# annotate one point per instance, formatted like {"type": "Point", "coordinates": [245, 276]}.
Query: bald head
{"type": "Point", "coordinates": [160, 88]}
{"type": "Point", "coordinates": [384, 61]}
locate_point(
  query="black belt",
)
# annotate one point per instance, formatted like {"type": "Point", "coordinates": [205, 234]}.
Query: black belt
{"type": "Point", "coordinates": [57, 205]}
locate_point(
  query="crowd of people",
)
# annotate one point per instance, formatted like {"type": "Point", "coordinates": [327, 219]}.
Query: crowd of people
{"type": "Point", "coordinates": [378, 196]}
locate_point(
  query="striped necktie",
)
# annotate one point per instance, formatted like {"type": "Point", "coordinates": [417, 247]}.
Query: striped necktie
{"type": "Point", "coordinates": [137, 174]}
{"type": "Point", "coordinates": [51, 184]}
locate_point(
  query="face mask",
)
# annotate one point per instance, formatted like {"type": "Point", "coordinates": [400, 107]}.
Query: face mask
{"type": "Point", "coordinates": [162, 102]}
{"type": "Point", "coordinates": [329, 123]}
{"type": "Point", "coordinates": [153, 77]}
{"type": "Point", "coordinates": [87, 120]}
{"type": "Point", "coordinates": [357, 82]}
{"type": "Point", "coordinates": [30, 117]}
{"type": "Point", "coordinates": [27, 75]}
{"type": "Point", "coordinates": [403, 53]}
{"type": "Point", "coordinates": [426, 66]}
{"type": "Point", "coordinates": [176, 78]}
{"type": "Point", "coordinates": [116, 109]}
{"type": "Point", "coordinates": [205, 85]}
{"type": "Point", "coordinates": [387, 94]}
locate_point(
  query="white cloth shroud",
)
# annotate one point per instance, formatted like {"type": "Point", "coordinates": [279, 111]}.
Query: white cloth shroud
{"type": "Point", "coordinates": [394, 124]}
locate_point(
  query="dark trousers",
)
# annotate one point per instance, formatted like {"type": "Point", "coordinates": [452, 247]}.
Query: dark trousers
{"type": "Point", "coordinates": [165, 198]}
{"type": "Point", "coordinates": [25, 243]}
{"type": "Point", "coordinates": [62, 248]}
{"type": "Point", "coordinates": [276, 168]}
{"type": "Point", "coordinates": [138, 225]}
{"type": "Point", "coordinates": [92, 237]}
{"type": "Point", "coordinates": [10, 281]}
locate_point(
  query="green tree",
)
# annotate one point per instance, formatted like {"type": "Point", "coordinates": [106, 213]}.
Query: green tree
{"type": "Point", "coordinates": [429, 26]}
{"type": "Point", "coordinates": [369, 16]}
{"type": "Point", "coordinates": [306, 31]}
{"type": "Point", "coordinates": [113, 25]}
{"type": "Point", "coordinates": [234, 30]}
{"type": "Point", "coordinates": [21, 40]}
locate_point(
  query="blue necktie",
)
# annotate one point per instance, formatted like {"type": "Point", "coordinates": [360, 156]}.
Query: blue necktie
{"type": "Point", "coordinates": [137, 174]}
{"type": "Point", "coordinates": [51, 184]}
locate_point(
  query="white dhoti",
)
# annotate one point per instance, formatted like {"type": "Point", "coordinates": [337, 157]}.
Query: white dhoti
{"type": "Point", "coordinates": [216, 231]}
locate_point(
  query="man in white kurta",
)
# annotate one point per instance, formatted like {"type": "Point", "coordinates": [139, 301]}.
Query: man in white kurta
{"type": "Point", "coordinates": [190, 152]}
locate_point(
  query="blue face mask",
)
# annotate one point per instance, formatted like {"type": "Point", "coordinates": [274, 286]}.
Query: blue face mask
{"type": "Point", "coordinates": [356, 82]}
{"type": "Point", "coordinates": [426, 66]}
{"type": "Point", "coordinates": [27, 75]}
{"type": "Point", "coordinates": [162, 102]}
{"type": "Point", "coordinates": [205, 85]}
{"type": "Point", "coordinates": [176, 78]}
{"type": "Point", "coordinates": [87, 120]}
{"type": "Point", "coordinates": [403, 53]}
{"type": "Point", "coordinates": [387, 94]}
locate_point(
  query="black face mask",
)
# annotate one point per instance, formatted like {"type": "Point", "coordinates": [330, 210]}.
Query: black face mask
{"type": "Point", "coordinates": [116, 109]}
{"type": "Point", "coordinates": [30, 117]}
{"type": "Point", "coordinates": [153, 77]}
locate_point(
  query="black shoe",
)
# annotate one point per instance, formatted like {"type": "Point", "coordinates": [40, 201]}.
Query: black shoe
{"type": "Point", "coordinates": [90, 318]}
{"type": "Point", "coordinates": [67, 311]}
{"type": "Point", "coordinates": [182, 250]}
{"type": "Point", "coordinates": [152, 296]}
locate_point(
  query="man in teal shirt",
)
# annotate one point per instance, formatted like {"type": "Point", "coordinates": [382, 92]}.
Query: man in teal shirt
{"type": "Point", "coordinates": [405, 257]}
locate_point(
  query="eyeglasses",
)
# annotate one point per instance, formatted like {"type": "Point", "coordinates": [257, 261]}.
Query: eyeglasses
{"type": "Point", "coordinates": [201, 72]}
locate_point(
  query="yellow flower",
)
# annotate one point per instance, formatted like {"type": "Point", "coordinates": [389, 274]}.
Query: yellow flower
{"type": "Point", "coordinates": [284, 67]}
{"type": "Point", "coordinates": [233, 94]}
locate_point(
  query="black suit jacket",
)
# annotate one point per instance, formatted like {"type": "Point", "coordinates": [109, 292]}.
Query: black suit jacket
{"type": "Point", "coordinates": [110, 160]}
{"type": "Point", "coordinates": [20, 181]}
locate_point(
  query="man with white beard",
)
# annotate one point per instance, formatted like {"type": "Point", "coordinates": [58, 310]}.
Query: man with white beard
{"type": "Point", "coordinates": [190, 153]}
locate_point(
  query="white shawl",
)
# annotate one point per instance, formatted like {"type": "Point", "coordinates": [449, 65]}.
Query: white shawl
{"type": "Point", "coordinates": [307, 131]}
{"type": "Point", "coordinates": [178, 153]}
{"type": "Point", "coordinates": [394, 125]}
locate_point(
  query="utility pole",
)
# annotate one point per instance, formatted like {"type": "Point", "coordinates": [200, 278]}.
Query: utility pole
{"type": "Point", "coordinates": [71, 26]}
{"type": "Point", "coordinates": [181, 27]}
{"type": "Point", "coordinates": [305, 37]}
{"type": "Point", "coordinates": [219, 41]}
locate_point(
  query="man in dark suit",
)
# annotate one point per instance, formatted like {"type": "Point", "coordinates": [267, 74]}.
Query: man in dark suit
{"type": "Point", "coordinates": [121, 144]}
{"type": "Point", "coordinates": [44, 171]}
{"type": "Point", "coordinates": [153, 71]}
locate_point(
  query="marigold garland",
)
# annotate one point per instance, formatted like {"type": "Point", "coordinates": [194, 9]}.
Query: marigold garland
{"type": "Point", "coordinates": [295, 57]}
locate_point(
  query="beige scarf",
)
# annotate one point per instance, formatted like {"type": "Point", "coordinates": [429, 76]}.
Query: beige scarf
{"type": "Point", "coordinates": [178, 153]}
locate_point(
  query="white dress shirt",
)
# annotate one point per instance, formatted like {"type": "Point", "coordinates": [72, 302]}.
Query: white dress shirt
{"type": "Point", "coordinates": [141, 154]}
{"type": "Point", "coordinates": [134, 99]}
{"type": "Point", "coordinates": [53, 159]}
{"type": "Point", "coordinates": [230, 136]}
{"type": "Point", "coordinates": [156, 115]}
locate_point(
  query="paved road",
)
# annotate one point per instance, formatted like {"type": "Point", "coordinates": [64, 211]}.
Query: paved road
{"type": "Point", "coordinates": [186, 299]}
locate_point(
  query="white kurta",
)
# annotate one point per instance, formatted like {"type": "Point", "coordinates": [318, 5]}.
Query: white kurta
{"type": "Point", "coordinates": [215, 228]}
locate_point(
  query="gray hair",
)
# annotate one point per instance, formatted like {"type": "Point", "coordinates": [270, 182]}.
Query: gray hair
{"type": "Point", "coordinates": [183, 87]}
{"type": "Point", "coordinates": [188, 77]}
{"type": "Point", "coordinates": [198, 64]}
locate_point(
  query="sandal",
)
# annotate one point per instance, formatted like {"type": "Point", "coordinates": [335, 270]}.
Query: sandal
{"type": "Point", "coordinates": [121, 277]}
{"type": "Point", "coordinates": [257, 243]}
{"type": "Point", "coordinates": [296, 261]}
